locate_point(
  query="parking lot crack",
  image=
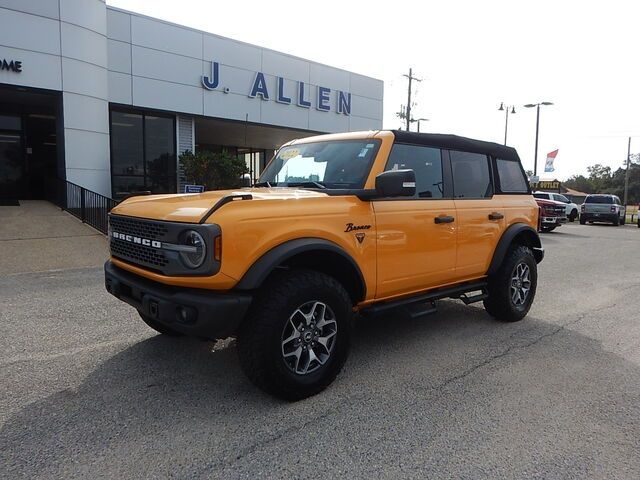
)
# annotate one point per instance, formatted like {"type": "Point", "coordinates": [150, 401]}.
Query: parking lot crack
{"type": "Point", "coordinates": [524, 346]}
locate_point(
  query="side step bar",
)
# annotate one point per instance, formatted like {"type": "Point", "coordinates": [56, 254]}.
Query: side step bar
{"type": "Point", "coordinates": [416, 303]}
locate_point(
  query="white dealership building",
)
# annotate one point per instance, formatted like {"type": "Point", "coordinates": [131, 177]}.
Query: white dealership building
{"type": "Point", "coordinates": [108, 99]}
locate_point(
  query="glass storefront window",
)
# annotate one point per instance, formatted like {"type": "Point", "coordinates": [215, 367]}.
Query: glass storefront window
{"type": "Point", "coordinates": [143, 153]}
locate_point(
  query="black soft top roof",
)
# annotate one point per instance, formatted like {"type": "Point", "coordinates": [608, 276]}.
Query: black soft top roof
{"type": "Point", "coordinates": [454, 142]}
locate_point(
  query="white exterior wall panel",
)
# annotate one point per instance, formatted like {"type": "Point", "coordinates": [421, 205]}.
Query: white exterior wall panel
{"type": "Point", "coordinates": [166, 58]}
{"type": "Point", "coordinates": [96, 54]}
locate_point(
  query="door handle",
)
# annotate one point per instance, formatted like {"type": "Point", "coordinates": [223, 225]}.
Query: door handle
{"type": "Point", "coordinates": [496, 216]}
{"type": "Point", "coordinates": [444, 219]}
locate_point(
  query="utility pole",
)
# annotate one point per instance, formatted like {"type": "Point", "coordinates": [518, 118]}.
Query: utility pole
{"type": "Point", "coordinates": [405, 113]}
{"type": "Point", "coordinates": [626, 175]}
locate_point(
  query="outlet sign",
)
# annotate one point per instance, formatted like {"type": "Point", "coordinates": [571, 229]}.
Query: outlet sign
{"type": "Point", "coordinates": [299, 96]}
{"type": "Point", "coordinates": [11, 65]}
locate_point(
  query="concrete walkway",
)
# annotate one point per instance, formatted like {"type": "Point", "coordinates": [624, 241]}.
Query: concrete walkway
{"type": "Point", "coordinates": [38, 236]}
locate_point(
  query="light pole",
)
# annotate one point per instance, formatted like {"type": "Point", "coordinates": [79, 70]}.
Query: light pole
{"type": "Point", "coordinates": [535, 155]}
{"type": "Point", "coordinates": [506, 117]}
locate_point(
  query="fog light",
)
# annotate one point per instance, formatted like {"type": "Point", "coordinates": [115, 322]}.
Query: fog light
{"type": "Point", "coordinates": [186, 315]}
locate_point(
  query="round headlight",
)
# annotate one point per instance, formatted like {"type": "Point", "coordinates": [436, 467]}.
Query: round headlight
{"type": "Point", "coordinates": [195, 254]}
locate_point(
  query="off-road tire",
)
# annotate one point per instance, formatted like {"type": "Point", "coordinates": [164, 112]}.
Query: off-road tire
{"type": "Point", "coordinates": [259, 340]}
{"type": "Point", "coordinates": [499, 304]}
{"type": "Point", "coordinates": [573, 215]}
{"type": "Point", "coordinates": [159, 327]}
{"type": "Point", "coordinates": [583, 220]}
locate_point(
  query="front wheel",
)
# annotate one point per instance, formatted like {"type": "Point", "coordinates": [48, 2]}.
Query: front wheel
{"type": "Point", "coordinates": [573, 215]}
{"type": "Point", "coordinates": [295, 339]}
{"type": "Point", "coordinates": [583, 220]}
{"type": "Point", "coordinates": [512, 289]}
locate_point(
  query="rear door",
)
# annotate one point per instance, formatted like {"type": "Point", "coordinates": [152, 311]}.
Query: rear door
{"type": "Point", "coordinates": [416, 242]}
{"type": "Point", "coordinates": [480, 213]}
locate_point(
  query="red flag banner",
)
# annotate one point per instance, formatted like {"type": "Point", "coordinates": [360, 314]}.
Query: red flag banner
{"type": "Point", "coordinates": [548, 164]}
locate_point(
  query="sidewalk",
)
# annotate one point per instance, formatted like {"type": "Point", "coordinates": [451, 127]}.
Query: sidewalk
{"type": "Point", "coordinates": [38, 236]}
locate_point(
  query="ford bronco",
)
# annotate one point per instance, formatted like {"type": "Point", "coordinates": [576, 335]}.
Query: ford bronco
{"type": "Point", "coordinates": [336, 225]}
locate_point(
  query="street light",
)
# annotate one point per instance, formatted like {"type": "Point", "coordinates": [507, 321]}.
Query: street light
{"type": "Point", "coordinates": [535, 155]}
{"type": "Point", "coordinates": [506, 117]}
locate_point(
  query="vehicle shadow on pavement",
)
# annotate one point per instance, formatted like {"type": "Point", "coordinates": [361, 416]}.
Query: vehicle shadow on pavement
{"type": "Point", "coordinates": [172, 407]}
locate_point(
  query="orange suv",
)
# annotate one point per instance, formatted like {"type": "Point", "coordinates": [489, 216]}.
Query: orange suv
{"type": "Point", "coordinates": [338, 224]}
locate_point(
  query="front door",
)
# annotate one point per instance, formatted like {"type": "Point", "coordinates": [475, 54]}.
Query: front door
{"type": "Point", "coordinates": [416, 242]}
{"type": "Point", "coordinates": [12, 168]}
{"type": "Point", "coordinates": [480, 213]}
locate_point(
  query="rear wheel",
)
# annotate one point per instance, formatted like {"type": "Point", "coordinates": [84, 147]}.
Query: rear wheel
{"type": "Point", "coordinates": [296, 337]}
{"type": "Point", "coordinates": [623, 220]}
{"type": "Point", "coordinates": [513, 288]}
{"type": "Point", "coordinates": [583, 220]}
{"type": "Point", "coordinates": [616, 221]}
{"type": "Point", "coordinates": [159, 327]}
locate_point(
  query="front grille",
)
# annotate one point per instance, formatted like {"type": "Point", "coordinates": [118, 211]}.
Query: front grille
{"type": "Point", "coordinates": [140, 254]}
{"type": "Point", "coordinates": [151, 244]}
{"type": "Point", "coordinates": [139, 228]}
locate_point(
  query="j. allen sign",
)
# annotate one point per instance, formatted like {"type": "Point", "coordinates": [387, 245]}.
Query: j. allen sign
{"type": "Point", "coordinates": [259, 88]}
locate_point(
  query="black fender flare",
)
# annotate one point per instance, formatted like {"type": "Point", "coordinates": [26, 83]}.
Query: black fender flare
{"type": "Point", "coordinates": [262, 267]}
{"type": "Point", "coordinates": [530, 236]}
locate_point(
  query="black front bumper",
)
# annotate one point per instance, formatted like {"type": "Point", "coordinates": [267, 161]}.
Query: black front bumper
{"type": "Point", "coordinates": [192, 311]}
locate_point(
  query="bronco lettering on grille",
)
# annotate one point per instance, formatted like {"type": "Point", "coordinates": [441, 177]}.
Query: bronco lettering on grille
{"type": "Point", "coordinates": [139, 240]}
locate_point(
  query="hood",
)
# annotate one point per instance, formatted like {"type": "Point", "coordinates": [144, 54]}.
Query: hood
{"type": "Point", "coordinates": [192, 207]}
{"type": "Point", "coordinates": [544, 201]}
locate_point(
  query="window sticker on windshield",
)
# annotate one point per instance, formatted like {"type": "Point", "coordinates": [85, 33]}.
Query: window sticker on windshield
{"type": "Point", "coordinates": [369, 145]}
{"type": "Point", "coordinates": [290, 153]}
{"type": "Point", "coordinates": [363, 152]}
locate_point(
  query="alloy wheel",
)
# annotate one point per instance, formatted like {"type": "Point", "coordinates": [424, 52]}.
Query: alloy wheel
{"type": "Point", "coordinates": [520, 284]}
{"type": "Point", "coordinates": [309, 337]}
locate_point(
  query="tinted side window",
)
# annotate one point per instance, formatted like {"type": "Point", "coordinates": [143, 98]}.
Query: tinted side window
{"type": "Point", "coordinates": [471, 177]}
{"type": "Point", "coordinates": [426, 162]}
{"type": "Point", "coordinates": [511, 177]}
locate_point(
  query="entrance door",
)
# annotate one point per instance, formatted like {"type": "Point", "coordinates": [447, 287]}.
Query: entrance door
{"type": "Point", "coordinates": [12, 174]}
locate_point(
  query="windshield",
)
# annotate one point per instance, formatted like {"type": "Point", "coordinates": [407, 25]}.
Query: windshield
{"type": "Point", "coordinates": [330, 164]}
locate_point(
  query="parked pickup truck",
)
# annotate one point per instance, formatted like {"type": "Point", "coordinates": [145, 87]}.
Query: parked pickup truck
{"type": "Point", "coordinates": [358, 222]}
{"type": "Point", "coordinates": [603, 208]}
{"type": "Point", "coordinates": [571, 209]}
{"type": "Point", "coordinates": [552, 214]}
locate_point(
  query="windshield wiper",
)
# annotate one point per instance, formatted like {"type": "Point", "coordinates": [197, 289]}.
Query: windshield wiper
{"type": "Point", "coordinates": [262, 184]}
{"type": "Point", "coordinates": [310, 184]}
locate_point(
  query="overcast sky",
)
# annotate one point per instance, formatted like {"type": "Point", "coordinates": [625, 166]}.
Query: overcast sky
{"type": "Point", "coordinates": [471, 55]}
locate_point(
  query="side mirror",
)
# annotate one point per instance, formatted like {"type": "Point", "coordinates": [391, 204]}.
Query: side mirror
{"type": "Point", "coordinates": [396, 183]}
{"type": "Point", "coordinates": [245, 180]}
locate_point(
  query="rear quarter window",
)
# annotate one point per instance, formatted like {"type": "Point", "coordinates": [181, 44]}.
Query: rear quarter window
{"type": "Point", "coordinates": [511, 177]}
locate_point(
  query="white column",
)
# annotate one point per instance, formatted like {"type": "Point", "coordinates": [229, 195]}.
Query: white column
{"type": "Point", "coordinates": [83, 42]}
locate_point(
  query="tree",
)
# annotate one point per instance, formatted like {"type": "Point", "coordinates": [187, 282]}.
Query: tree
{"type": "Point", "coordinates": [216, 171]}
{"type": "Point", "coordinates": [602, 179]}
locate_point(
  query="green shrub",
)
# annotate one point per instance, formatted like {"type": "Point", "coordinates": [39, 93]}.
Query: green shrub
{"type": "Point", "coordinates": [216, 171]}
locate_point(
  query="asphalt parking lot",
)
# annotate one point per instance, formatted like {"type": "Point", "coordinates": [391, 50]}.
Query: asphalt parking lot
{"type": "Point", "coordinates": [88, 391]}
